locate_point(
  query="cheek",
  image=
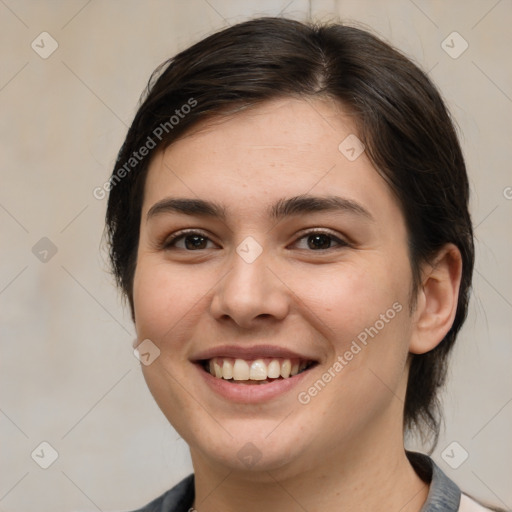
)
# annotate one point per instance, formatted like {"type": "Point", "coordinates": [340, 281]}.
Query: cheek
{"type": "Point", "coordinates": [162, 298]}
{"type": "Point", "coordinates": [164, 314]}
{"type": "Point", "coordinates": [350, 297]}
{"type": "Point", "coordinates": [364, 309]}
{"type": "Point", "coordinates": [363, 315]}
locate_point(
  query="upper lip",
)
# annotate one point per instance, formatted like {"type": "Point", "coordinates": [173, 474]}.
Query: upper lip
{"type": "Point", "coordinates": [250, 353]}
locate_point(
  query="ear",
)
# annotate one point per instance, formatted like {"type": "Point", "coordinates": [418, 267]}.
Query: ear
{"type": "Point", "coordinates": [436, 300]}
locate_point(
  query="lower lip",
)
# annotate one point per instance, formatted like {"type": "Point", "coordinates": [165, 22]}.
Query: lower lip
{"type": "Point", "coordinates": [250, 393]}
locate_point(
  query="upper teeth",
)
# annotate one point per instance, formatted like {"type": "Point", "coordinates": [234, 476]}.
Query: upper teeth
{"type": "Point", "coordinates": [258, 369]}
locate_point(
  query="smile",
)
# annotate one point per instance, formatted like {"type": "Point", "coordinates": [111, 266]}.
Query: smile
{"type": "Point", "coordinates": [255, 371]}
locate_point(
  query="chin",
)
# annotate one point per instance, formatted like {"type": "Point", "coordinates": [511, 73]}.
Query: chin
{"type": "Point", "coordinates": [254, 450]}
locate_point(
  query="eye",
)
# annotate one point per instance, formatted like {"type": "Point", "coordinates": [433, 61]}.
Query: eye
{"type": "Point", "coordinates": [192, 241]}
{"type": "Point", "coordinates": [321, 240]}
{"type": "Point", "coordinates": [317, 240]}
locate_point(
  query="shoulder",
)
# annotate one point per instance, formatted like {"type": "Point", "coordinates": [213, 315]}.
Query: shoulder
{"type": "Point", "coordinates": [469, 504]}
{"type": "Point", "coordinates": [177, 499]}
{"type": "Point", "coordinates": [444, 494]}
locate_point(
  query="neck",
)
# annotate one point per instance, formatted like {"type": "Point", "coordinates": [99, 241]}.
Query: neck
{"type": "Point", "coordinates": [374, 475]}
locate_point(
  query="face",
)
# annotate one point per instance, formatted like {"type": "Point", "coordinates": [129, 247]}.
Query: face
{"type": "Point", "coordinates": [242, 278]}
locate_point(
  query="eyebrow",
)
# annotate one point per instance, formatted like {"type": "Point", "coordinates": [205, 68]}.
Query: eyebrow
{"type": "Point", "coordinates": [285, 207]}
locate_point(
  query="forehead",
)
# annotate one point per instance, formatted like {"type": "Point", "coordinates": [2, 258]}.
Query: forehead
{"type": "Point", "coordinates": [276, 127]}
{"type": "Point", "coordinates": [282, 148]}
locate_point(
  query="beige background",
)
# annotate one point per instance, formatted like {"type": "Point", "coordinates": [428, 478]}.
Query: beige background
{"type": "Point", "coordinates": [68, 374]}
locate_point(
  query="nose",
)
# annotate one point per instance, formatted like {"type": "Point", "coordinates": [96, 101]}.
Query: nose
{"type": "Point", "coordinates": [250, 294]}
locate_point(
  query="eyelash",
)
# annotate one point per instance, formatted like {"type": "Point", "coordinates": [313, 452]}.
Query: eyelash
{"type": "Point", "coordinates": [169, 242]}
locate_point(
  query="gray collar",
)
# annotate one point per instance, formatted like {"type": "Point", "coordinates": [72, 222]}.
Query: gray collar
{"type": "Point", "coordinates": [443, 496]}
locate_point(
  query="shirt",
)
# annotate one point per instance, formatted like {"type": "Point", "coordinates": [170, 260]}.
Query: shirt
{"type": "Point", "coordinates": [444, 495]}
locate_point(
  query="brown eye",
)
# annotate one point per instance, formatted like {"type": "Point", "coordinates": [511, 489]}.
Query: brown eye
{"type": "Point", "coordinates": [321, 240]}
{"type": "Point", "coordinates": [189, 241]}
{"type": "Point", "coordinates": [195, 242]}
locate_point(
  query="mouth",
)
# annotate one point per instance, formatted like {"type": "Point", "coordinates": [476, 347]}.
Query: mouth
{"type": "Point", "coordinates": [259, 371]}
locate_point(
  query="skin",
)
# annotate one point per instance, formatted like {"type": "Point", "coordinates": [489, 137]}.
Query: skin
{"type": "Point", "coordinates": [344, 449]}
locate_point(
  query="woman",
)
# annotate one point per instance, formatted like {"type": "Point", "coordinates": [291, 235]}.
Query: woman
{"type": "Point", "coordinates": [288, 218]}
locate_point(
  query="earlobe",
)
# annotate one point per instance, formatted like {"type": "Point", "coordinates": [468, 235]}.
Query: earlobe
{"type": "Point", "coordinates": [437, 300]}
